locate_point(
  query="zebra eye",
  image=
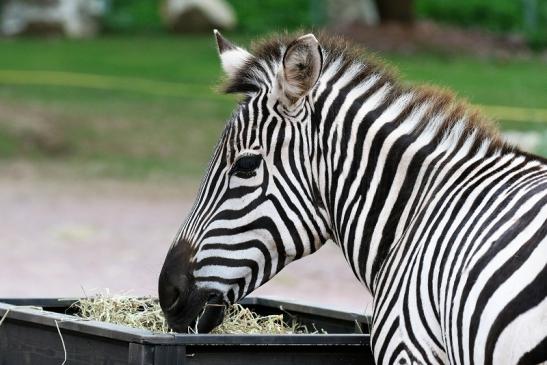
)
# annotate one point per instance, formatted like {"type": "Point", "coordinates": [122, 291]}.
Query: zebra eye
{"type": "Point", "coordinates": [245, 166]}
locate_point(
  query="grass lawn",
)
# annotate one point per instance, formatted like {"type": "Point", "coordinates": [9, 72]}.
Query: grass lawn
{"type": "Point", "coordinates": [138, 106]}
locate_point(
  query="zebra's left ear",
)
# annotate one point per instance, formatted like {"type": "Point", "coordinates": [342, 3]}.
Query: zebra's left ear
{"type": "Point", "coordinates": [302, 63]}
{"type": "Point", "coordinates": [232, 57]}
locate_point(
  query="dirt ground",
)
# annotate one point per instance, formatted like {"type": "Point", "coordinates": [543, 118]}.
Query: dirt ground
{"type": "Point", "coordinates": [425, 35]}
{"type": "Point", "coordinates": [69, 237]}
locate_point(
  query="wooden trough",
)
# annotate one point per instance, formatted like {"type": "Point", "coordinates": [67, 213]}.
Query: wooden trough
{"type": "Point", "coordinates": [30, 335]}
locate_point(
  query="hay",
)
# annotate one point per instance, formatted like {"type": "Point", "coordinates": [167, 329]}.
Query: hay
{"type": "Point", "coordinates": [241, 320]}
{"type": "Point", "coordinates": [4, 316]}
{"type": "Point", "coordinates": [145, 313]}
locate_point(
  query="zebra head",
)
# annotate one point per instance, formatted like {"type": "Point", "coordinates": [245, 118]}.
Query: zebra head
{"type": "Point", "coordinates": [257, 208]}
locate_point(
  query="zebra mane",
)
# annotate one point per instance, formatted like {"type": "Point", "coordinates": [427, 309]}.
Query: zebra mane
{"type": "Point", "coordinates": [458, 116]}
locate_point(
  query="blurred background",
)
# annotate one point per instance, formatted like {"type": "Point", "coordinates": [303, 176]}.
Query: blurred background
{"type": "Point", "coordinates": [108, 117]}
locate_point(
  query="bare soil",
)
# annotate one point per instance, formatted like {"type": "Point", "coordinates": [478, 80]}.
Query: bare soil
{"type": "Point", "coordinates": [434, 37]}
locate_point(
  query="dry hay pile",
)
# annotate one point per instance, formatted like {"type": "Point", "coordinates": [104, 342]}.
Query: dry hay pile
{"type": "Point", "coordinates": [241, 320]}
{"type": "Point", "coordinates": [145, 313]}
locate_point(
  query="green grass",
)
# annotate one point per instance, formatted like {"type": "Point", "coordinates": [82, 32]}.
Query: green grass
{"type": "Point", "coordinates": [153, 109]}
{"type": "Point", "coordinates": [511, 83]}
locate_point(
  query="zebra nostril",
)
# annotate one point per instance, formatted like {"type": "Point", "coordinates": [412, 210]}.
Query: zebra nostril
{"type": "Point", "coordinates": [168, 294]}
{"type": "Point", "coordinates": [171, 292]}
{"type": "Point", "coordinates": [171, 297]}
{"type": "Point", "coordinates": [175, 280]}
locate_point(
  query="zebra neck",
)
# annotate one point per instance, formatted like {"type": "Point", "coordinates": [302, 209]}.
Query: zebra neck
{"type": "Point", "coordinates": [378, 157]}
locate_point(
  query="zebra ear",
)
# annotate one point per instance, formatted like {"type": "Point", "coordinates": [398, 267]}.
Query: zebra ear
{"type": "Point", "coordinates": [302, 63]}
{"type": "Point", "coordinates": [232, 57]}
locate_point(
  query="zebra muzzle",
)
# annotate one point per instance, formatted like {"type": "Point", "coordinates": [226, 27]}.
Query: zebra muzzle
{"type": "Point", "coordinates": [187, 308]}
{"type": "Point", "coordinates": [198, 311]}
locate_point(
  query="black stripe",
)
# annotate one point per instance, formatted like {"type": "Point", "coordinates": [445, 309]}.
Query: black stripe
{"type": "Point", "coordinates": [505, 271]}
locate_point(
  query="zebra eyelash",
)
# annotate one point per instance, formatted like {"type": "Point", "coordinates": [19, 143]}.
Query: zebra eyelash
{"type": "Point", "coordinates": [245, 165]}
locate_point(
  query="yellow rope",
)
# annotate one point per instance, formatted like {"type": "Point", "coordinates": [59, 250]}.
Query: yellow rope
{"type": "Point", "coordinates": [62, 341]}
{"type": "Point", "coordinates": [516, 114]}
{"type": "Point", "coordinates": [189, 90]}
{"type": "Point", "coordinates": [104, 82]}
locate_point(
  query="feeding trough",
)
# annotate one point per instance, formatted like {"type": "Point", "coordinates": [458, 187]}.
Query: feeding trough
{"type": "Point", "coordinates": [46, 331]}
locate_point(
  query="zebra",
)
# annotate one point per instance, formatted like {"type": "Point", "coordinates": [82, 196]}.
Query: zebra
{"type": "Point", "coordinates": [443, 222]}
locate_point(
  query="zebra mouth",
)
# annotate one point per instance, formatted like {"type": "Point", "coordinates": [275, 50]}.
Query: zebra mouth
{"type": "Point", "coordinates": [201, 312]}
{"type": "Point", "coordinates": [211, 316]}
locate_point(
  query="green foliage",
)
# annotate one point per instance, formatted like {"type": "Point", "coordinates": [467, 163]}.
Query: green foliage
{"type": "Point", "coordinates": [260, 16]}
{"type": "Point", "coordinates": [263, 16]}
{"type": "Point", "coordinates": [132, 16]}
{"type": "Point", "coordinates": [254, 16]}
{"type": "Point", "coordinates": [500, 16]}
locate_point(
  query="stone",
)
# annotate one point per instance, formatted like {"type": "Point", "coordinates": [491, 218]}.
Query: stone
{"type": "Point", "coordinates": [73, 18]}
{"type": "Point", "coordinates": [348, 12]}
{"type": "Point", "coordinates": [198, 15]}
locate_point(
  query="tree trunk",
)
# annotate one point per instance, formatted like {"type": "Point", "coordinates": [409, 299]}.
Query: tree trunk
{"type": "Point", "coordinates": [396, 10]}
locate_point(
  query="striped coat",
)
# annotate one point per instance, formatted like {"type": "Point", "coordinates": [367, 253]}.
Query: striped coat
{"type": "Point", "coordinates": [444, 223]}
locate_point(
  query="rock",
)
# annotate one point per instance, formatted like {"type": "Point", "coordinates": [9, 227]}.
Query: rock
{"type": "Point", "coordinates": [73, 18]}
{"type": "Point", "coordinates": [347, 12]}
{"type": "Point", "coordinates": [198, 15]}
